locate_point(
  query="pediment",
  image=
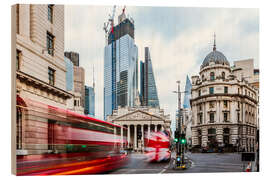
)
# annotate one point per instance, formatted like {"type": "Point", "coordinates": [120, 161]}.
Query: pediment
{"type": "Point", "coordinates": [138, 115]}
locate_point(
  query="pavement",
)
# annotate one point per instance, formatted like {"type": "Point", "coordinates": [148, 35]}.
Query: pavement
{"type": "Point", "coordinates": [199, 163]}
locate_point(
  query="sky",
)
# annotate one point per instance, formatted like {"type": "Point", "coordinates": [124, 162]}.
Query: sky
{"type": "Point", "coordinates": [179, 39]}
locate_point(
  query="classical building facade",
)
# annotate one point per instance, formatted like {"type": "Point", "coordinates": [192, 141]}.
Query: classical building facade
{"type": "Point", "coordinates": [139, 121]}
{"type": "Point", "coordinates": [224, 107]}
{"type": "Point", "coordinates": [40, 72]}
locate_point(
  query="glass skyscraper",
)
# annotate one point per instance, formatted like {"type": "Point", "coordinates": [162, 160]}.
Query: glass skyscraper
{"type": "Point", "coordinates": [120, 67]}
{"type": "Point", "coordinates": [149, 95]}
{"type": "Point", "coordinates": [69, 74]}
{"type": "Point", "coordinates": [187, 94]}
{"type": "Point", "coordinates": [89, 108]}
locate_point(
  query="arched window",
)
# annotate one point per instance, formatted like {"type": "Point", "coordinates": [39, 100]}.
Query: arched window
{"type": "Point", "coordinates": [223, 75]}
{"type": "Point", "coordinates": [212, 76]}
{"type": "Point", "coordinates": [202, 77]}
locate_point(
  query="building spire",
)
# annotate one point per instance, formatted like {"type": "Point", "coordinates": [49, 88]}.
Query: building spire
{"type": "Point", "coordinates": [214, 48]}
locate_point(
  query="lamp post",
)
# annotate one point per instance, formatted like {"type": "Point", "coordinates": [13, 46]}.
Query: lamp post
{"type": "Point", "coordinates": [180, 131]}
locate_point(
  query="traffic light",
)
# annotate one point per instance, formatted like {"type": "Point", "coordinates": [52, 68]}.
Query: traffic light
{"type": "Point", "coordinates": [183, 139]}
{"type": "Point", "coordinates": [176, 136]}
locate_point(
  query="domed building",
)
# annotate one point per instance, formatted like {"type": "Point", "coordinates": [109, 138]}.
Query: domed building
{"type": "Point", "coordinates": [224, 107]}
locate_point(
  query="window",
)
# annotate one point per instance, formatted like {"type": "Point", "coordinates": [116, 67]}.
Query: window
{"type": "Point", "coordinates": [212, 117]}
{"type": "Point", "coordinates": [226, 131]}
{"type": "Point", "coordinates": [212, 76]}
{"type": "Point", "coordinates": [238, 117]}
{"type": "Point", "coordinates": [200, 118]}
{"type": "Point", "coordinates": [51, 73]}
{"type": "Point", "coordinates": [211, 104]}
{"type": "Point", "coordinates": [211, 131]}
{"type": "Point", "coordinates": [19, 128]}
{"type": "Point", "coordinates": [245, 92]}
{"type": "Point", "coordinates": [211, 90]}
{"type": "Point", "coordinates": [223, 75]}
{"type": "Point", "coordinates": [75, 103]}
{"type": "Point", "coordinates": [199, 92]}
{"type": "Point", "coordinates": [50, 13]}
{"type": "Point", "coordinates": [225, 116]}
{"type": "Point", "coordinates": [238, 105]}
{"type": "Point", "coordinates": [18, 59]}
{"type": "Point", "coordinates": [202, 77]}
{"type": "Point", "coordinates": [248, 93]}
{"type": "Point", "coordinates": [50, 43]}
{"type": "Point", "coordinates": [226, 90]}
{"type": "Point", "coordinates": [200, 107]}
{"type": "Point", "coordinates": [238, 91]}
{"type": "Point", "coordinates": [51, 124]}
{"type": "Point", "coordinates": [225, 104]}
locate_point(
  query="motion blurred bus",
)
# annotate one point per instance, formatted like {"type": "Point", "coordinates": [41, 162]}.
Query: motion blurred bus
{"type": "Point", "coordinates": [54, 141]}
{"type": "Point", "coordinates": [157, 146]}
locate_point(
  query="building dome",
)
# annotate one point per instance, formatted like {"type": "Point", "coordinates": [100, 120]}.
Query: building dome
{"type": "Point", "coordinates": [216, 57]}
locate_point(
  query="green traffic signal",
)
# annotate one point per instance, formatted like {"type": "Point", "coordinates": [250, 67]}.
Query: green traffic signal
{"type": "Point", "coordinates": [175, 140]}
{"type": "Point", "coordinates": [183, 141]}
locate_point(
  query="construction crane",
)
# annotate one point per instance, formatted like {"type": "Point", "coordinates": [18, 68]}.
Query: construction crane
{"type": "Point", "coordinates": [109, 22]}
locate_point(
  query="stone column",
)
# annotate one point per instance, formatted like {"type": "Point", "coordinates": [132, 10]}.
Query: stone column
{"type": "Point", "coordinates": [128, 126]}
{"type": "Point", "coordinates": [121, 136]}
{"type": "Point", "coordinates": [135, 137]}
{"type": "Point", "coordinates": [155, 127]}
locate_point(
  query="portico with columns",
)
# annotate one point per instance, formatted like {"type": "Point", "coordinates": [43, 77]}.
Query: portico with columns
{"type": "Point", "coordinates": [139, 122]}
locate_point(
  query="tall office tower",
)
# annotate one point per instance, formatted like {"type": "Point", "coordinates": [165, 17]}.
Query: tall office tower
{"type": "Point", "coordinates": [69, 74]}
{"type": "Point", "coordinates": [89, 101]}
{"type": "Point", "coordinates": [187, 94]}
{"type": "Point", "coordinates": [148, 88]}
{"type": "Point", "coordinates": [74, 57]}
{"type": "Point", "coordinates": [120, 66]}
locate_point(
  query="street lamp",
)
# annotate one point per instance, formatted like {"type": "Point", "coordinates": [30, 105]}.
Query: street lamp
{"type": "Point", "coordinates": [180, 146]}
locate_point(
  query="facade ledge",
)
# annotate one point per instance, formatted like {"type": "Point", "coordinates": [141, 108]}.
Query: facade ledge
{"type": "Point", "coordinates": [43, 85]}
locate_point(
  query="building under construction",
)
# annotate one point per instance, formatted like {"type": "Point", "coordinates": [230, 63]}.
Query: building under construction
{"type": "Point", "coordinates": [120, 64]}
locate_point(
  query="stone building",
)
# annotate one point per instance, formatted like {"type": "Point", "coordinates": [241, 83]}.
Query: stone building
{"type": "Point", "coordinates": [224, 108]}
{"type": "Point", "coordinates": [40, 72]}
{"type": "Point", "coordinates": [79, 83]}
{"type": "Point", "coordinates": [139, 121]}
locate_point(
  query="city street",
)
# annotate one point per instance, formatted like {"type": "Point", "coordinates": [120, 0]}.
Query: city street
{"type": "Point", "coordinates": [201, 162]}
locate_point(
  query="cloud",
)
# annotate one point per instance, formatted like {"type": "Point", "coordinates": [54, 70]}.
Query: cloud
{"type": "Point", "coordinates": [178, 38]}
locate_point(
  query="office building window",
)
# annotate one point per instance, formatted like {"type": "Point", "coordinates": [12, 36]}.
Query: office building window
{"type": "Point", "coordinates": [212, 117]}
{"type": "Point", "coordinates": [212, 76]}
{"type": "Point", "coordinates": [226, 90]}
{"type": "Point", "coordinates": [50, 13]}
{"type": "Point", "coordinates": [51, 73]}
{"type": "Point", "coordinates": [50, 43]}
{"type": "Point", "coordinates": [18, 59]}
{"type": "Point", "coordinates": [211, 90]}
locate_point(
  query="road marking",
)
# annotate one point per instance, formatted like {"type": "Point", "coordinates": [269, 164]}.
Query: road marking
{"type": "Point", "coordinates": [163, 170]}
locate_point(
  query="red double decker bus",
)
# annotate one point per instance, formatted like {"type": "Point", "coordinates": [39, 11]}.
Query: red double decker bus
{"type": "Point", "coordinates": [157, 147]}
{"type": "Point", "coordinates": [54, 141]}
